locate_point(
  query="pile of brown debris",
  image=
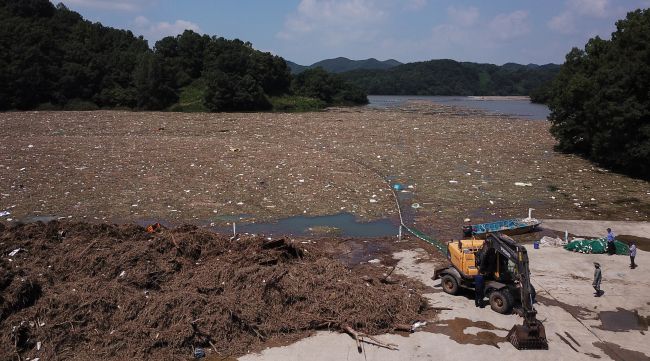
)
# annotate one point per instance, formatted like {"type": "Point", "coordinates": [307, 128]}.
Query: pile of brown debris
{"type": "Point", "coordinates": [106, 291]}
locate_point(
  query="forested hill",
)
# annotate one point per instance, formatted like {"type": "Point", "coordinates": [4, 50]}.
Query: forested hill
{"type": "Point", "coordinates": [53, 59]}
{"type": "Point", "coordinates": [340, 64]}
{"type": "Point", "coordinates": [449, 77]}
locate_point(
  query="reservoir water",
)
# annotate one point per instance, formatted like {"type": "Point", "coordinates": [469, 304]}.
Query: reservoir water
{"type": "Point", "coordinates": [516, 108]}
{"type": "Point", "coordinates": [346, 223]}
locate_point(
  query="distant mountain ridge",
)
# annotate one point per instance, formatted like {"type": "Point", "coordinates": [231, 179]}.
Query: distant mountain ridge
{"type": "Point", "coordinates": [449, 77]}
{"type": "Point", "coordinates": [341, 64]}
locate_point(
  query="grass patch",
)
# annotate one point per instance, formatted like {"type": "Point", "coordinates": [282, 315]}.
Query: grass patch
{"type": "Point", "coordinates": [191, 99]}
{"type": "Point", "coordinates": [191, 93]}
{"type": "Point", "coordinates": [297, 104]}
{"type": "Point", "coordinates": [48, 107]}
{"type": "Point", "coordinates": [80, 105]}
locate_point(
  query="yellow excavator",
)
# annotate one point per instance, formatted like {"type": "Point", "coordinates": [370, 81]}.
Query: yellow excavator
{"type": "Point", "coordinates": [507, 279]}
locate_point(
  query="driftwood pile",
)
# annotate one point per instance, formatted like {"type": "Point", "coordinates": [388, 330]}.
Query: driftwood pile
{"type": "Point", "coordinates": [104, 291]}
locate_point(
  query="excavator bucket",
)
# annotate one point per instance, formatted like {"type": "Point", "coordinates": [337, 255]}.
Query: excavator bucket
{"type": "Point", "coordinates": [524, 337]}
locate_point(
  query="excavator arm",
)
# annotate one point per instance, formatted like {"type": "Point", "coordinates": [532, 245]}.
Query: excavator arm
{"type": "Point", "coordinates": [530, 335]}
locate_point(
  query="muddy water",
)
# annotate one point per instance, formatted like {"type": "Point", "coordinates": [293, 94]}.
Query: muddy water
{"type": "Point", "coordinates": [455, 329]}
{"type": "Point", "coordinates": [617, 353]}
{"type": "Point", "coordinates": [623, 320]}
{"type": "Point", "coordinates": [303, 226]}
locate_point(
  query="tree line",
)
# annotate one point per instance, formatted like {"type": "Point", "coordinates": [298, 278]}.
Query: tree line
{"type": "Point", "coordinates": [600, 100]}
{"type": "Point", "coordinates": [51, 58]}
{"type": "Point", "coordinates": [449, 77]}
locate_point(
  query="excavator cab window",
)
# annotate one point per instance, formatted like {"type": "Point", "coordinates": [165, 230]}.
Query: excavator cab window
{"type": "Point", "coordinates": [507, 269]}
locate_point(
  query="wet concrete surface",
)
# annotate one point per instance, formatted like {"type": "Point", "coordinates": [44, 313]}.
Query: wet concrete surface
{"type": "Point", "coordinates": [565, 304]}
{"type": "Point", "coordinates": [618, 353]}
{"type": "Point", "coordinates": [456, 330]}
{"type": "Point", "coordinates": [623, 320]}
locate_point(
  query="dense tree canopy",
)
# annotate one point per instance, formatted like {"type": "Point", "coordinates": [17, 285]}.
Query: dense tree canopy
{"type": "Point", "coordinates": [329, 87]}
{"type": "Point", "coordinates": [50, 54]}
{"type": "Point", "coordinates": [51, 58]}
{"type": "Point", "coordinates": [449, 77]}
{"type": "Point", "coordinates": [600, 101]}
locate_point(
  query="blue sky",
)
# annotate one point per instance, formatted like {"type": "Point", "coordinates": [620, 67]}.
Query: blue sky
{"type": "Point", "coordinates": [307, 31]}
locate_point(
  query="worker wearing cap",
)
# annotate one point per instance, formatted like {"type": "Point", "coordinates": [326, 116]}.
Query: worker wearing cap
{"type": "Point", "coordinates": [632, 254]}
{"type": "Point", "coordinates": [597, 278]}
{"type": "Point", "coordinates": [611, 248]}
{"type": "Point", "coordinates": [467, 228]}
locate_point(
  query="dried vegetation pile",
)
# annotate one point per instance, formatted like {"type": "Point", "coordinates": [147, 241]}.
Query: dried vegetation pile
{"type": "Point", "coordinates": [120, 292]}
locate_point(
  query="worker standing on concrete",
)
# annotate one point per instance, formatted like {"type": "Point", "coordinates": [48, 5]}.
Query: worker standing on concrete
{"type": "Point", "coordinates": [611, 248]}
{"type": "Point", "coordinates": [479, 290]}
{"type": "Point", "coordinates": [632, 254]}
{"type": "Point", "coordinates": [597, 278]}
{"type": "Point", "coordinates": [467, 228]}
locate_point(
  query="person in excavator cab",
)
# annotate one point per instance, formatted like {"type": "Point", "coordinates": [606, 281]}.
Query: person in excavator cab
{"type": "Point", "coordinates": [467, 229]}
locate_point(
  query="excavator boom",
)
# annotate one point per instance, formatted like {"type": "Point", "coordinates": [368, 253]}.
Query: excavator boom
{"type": "Point", "coordinates": [531, 334]}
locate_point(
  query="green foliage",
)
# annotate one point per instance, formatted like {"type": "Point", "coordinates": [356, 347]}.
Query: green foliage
{"type": "Point", "coordinates": [330, 88]}
{"type": "Point", "coordinates": [51, 55]}
{"type": "Point", "coordinates": [297, 103]}
{"type": "Point", "coordinates": [600, 100]}
{"type": "Point", "coordinates": [449, 77]}
{"type": "Point", "coordinates": [152, 83]}
{"type": "Point", "coordinates": [484, 80]}
{"type": "Point", "coordinates": [48, 107]}
{"type": "Point", "coordinates": [80, 105]}
{"type": "Point", "coordinates": [192, 93]}
{"type": "Point", "coordinates": [237, 77]}
{"type": "Point", "coordinates": [542, 93]}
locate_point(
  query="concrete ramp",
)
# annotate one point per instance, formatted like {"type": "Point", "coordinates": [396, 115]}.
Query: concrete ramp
{"type": "Point", "coordinates": [598, 229]}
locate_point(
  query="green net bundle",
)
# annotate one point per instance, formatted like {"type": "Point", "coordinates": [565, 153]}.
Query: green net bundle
{"type": "Point", "coordinates": [596, 246]}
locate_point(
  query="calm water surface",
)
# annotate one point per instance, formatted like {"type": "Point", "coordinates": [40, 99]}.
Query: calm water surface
{"type": "Point", "coordinates": [517, 108]}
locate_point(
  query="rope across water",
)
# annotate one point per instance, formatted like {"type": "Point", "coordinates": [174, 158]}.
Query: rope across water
{"type": "Point", "coordinates": [413, 231]}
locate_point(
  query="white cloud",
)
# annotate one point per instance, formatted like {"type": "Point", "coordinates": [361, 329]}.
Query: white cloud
{"type": "Point", "coordinates": [511, 25]}
{"type": "Point", "coordinates": [415, 4]}
{"type": "Point", "coordinates": [463, 17]}
{"type": "Point", "coordinates": [595, 8]}
{"type": "Point", "coordinates": [334, 21]}
{"type": "Point", "coordinates": [158, 30]}
{"type": "Point", "coordinates": [563, 23]}
{"type": "Point", "coordinates": [125, 6]}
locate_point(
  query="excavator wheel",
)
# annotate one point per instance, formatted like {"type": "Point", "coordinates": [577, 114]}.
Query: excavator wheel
{"type": "Point", "coordinates": [450, 284]}
{"type": "Point", "coordinates": [501, 301]}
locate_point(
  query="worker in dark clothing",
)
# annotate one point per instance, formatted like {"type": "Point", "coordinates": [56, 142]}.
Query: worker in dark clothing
{"type": "Point", "coordinates": [467, 229]}
{"type": "Point", "coordinates": [598, 276]}
{"type": "Point", "coordinates": [479, 290]}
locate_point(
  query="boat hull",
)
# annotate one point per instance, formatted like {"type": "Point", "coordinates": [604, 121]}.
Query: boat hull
{"type": "Point", "coordinates": [508, 227]}
{"type": "Point", "coordinates": [508, 231]}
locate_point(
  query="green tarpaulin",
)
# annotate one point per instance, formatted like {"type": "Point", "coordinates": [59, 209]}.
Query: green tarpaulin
{"type": "Point", "coordinates": [596, 246]}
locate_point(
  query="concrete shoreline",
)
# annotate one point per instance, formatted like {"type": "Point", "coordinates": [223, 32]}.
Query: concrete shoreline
{"type": "Point", "coordinates": [589, 228]}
